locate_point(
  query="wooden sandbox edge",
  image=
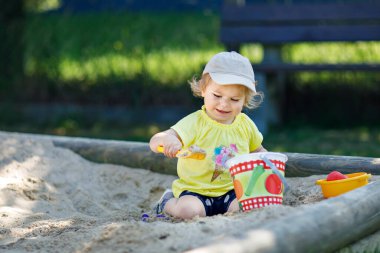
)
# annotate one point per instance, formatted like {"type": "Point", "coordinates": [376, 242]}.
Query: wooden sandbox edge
{"type": "Point", "coordinates": [138, 155]}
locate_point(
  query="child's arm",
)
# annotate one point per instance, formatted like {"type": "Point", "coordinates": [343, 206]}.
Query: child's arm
{"type": "Point", "coordinates": [260, 149]}
{"type": "Point", "coordinates": [169, 139]}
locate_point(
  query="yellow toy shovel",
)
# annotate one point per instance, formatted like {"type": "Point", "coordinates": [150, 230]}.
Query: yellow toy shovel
{"type": "Point", "coordinates": [193, 152]}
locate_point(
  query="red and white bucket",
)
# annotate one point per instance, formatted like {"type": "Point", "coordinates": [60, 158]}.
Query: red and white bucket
{"type": "Point", "coordinates": [256, 183]}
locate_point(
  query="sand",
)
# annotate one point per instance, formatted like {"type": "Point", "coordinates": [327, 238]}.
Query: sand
{"type": "Point", "coordinates": [53, 200]}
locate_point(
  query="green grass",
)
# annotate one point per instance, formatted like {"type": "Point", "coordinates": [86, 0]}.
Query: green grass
{"type": "Point", "coordinates": [361, 141]}
{"type": "Point", "coordinates": [148, 53]}
{"type": "Point", "coordinates": [98, 130]}
{"type": "Point", "coordinates": [164, 48]}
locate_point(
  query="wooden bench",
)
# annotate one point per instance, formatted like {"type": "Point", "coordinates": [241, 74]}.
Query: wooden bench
{"type": "Point", "coordinates": [274, 25]}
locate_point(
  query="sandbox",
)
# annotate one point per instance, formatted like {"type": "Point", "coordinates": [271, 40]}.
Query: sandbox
{"type": "Point", "coordinates": [55, 200]}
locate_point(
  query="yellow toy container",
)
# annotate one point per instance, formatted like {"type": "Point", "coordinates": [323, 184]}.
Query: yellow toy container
{"type": "Point", "coordinates": [338, 187]}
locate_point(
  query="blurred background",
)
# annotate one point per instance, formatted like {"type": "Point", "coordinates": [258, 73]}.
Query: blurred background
{"type": "Point", "coordinates": [117, 69]}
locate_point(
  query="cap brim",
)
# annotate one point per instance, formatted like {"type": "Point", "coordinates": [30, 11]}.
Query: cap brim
{"type": "Point", "coordinates": [228, 79]}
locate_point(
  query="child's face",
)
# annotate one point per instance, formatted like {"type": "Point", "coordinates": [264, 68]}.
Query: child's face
{"type": "Point", "coordinates": [223, 102]}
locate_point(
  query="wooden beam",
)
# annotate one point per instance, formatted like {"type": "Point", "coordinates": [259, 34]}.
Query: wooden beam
{"type": "Point", "coordinates": [287, 67]}
{"type": "Point", "coordinates": [326, 226]}
{"type": "Point", "coordinates": [138, 155]}
{"type": "Point", "coordinates": [285, 13]}
{"type": "Point", "coordinates": [127, 153]}
{"type": "Point", "coordinates": [276, 34]}
{"type": "Point", "coordinates": [300, 164]}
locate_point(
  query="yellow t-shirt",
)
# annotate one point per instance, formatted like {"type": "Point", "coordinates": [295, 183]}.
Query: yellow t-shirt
{"type": "Point", "coordinates": [206, 176]}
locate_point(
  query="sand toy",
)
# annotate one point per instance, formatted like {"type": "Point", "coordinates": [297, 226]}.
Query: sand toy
{"type": "Point", "coordinates": [332, 188]}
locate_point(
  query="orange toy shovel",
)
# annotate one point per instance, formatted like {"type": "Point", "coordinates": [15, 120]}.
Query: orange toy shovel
{"type": "Point", "coordinates": [193, 152]}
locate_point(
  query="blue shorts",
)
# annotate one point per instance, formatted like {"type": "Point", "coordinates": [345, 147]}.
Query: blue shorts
{"type": "Point", "coordinates": [214, 205]}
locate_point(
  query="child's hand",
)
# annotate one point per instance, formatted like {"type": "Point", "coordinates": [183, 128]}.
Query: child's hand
{"type": "Point", "coordinates": [167, 139]}
{"type": "Point", "coordinates": [171, 149]}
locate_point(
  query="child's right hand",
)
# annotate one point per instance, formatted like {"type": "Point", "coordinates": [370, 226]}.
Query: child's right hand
{"type": "Point", "coordinates": [171, 149]}
{"type": "Point", "coordinates": [169, 140]}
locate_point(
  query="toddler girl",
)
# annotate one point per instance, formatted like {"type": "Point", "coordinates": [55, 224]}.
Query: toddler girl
{"type": "Point", "coordinates": [204, 187]}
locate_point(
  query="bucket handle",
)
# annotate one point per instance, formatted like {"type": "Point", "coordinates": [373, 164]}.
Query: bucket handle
{"type": "Point", "coordinates": [276, 171]}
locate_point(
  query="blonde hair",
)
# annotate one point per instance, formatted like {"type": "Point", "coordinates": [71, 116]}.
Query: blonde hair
{"type": "Point", "coordinates": [252, 99]}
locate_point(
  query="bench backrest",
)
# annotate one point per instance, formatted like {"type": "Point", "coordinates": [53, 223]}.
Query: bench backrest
{"type": "Point", "coordinates": [283, 23]}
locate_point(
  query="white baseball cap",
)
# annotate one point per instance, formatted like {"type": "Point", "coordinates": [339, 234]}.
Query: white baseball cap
{"type": "Point", "coordinates": [231, 68]}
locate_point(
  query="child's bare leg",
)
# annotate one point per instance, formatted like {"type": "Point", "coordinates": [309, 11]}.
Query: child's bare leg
{"type": "Point", "coordinates": [234, 206]}
{"type": "Point", "coordinates": [185, 207]}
